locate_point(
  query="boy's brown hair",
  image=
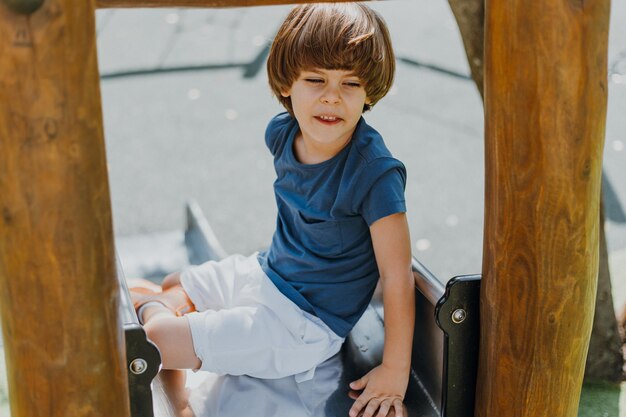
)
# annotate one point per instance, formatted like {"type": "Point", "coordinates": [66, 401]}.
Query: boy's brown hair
{"type": "Point", "coordinates": [332, 36]}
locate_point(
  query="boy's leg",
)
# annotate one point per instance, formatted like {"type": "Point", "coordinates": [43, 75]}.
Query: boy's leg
{"type": "Point", "coordinates": [172, 336]}
{"type": "Point", "coordinates": [244, 325]}
{"type": "Point", "coordinates": [173, 384]}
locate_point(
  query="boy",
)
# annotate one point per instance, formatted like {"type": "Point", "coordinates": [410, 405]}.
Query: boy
{"type": "Point", "coordinates": [341, 224]}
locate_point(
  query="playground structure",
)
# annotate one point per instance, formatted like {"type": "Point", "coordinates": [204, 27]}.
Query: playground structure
{"type": "Point", "coordinates": [568, 159]}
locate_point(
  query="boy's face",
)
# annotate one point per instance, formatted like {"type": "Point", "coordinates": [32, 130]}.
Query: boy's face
{"type": "Point", "coordinates": [327, 104]}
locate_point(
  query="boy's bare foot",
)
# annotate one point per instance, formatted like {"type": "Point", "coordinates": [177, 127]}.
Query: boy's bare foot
{"type": "Point", "coordinates": [186, 412]}
{"type": "Point", "coordinates": [174, 299]}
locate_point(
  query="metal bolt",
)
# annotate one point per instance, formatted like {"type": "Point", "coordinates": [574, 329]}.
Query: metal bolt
{"type": "Point", "coordinates": [138, 366]}
{"type": "Point", "coordinates": [459, 315]}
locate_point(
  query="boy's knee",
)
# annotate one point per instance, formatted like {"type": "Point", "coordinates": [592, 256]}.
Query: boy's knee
{"type": "Point", "coordinates": [156, 330]}
{"type": "Point", "coordinates": [171, 280]}
{"type": "Point", "coordinates": [172, 336]}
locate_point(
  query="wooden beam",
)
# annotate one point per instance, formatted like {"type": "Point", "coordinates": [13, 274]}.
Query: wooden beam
{"type": "Point", "coordinates": [102, 4]}
{"type": "Point", "coordinates": [58, 292]}
{"type": "Point", "coordinates": [545, 102]}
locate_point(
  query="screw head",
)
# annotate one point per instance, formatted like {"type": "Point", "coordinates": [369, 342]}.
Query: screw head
{"type": "Point", "coordinates": [459, 315]}
{"type": "Point", "coordinates": [138, 366]}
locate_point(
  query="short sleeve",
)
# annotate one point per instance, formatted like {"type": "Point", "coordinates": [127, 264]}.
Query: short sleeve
{"type": "Point", "coordinates": [276, 132]}
{"type": "Point", "coordinates": [385, 196]}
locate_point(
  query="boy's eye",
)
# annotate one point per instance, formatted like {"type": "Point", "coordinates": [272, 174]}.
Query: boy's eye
{"type": "Point", "coordinates": [353, 84]}
{"type": "Point", "coordinates": [314, 80]}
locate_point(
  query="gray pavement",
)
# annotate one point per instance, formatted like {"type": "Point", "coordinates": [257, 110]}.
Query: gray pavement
{"type": "Point", "coordinates": [199, 133]}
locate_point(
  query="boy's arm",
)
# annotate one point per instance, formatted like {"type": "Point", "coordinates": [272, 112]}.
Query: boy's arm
{"type": "Point", "coordinates": [384, 387]}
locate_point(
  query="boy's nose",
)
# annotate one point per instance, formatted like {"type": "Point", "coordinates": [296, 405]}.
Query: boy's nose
{"type": "Point", "coordinates": [327, 100]}
{"type": "Point", "coordinates": [330, 96]}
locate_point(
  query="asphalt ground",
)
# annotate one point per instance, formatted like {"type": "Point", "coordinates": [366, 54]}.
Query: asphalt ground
{"type": "Point", "coordinates": [186, 102]}
{"type": "Point", "coordinates": [199, 134]}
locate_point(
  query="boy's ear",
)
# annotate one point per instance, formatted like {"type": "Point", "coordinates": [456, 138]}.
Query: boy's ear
{"type": "Point", "coordinates": [368, 101]}
{"type": "Point", "coordinates": [285, 93]}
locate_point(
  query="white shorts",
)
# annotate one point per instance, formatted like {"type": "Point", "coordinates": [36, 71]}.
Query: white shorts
{"type": "Point", "coordinates": [245, 326]}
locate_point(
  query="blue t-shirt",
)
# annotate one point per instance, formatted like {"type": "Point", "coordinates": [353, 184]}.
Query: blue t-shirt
{"type": "Point", "coordinates": [321, 256]}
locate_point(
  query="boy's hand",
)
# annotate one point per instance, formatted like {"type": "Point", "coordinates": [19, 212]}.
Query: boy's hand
{"type": "Point", "coordinates": [384, 389]}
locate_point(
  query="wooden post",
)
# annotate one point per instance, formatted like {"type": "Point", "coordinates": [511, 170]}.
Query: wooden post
{"type": "Point", "coordinates": [58, 291]}
{"type": "Point", "coordinates": [545, 102]}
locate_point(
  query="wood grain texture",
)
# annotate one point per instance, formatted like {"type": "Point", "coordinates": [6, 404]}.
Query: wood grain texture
{"type": "Point", "coordinates": [545, 102]}
{"type": "Point", "coordinates": [197, 3]}
{"type": "Point", "coordinates": [58, 291]}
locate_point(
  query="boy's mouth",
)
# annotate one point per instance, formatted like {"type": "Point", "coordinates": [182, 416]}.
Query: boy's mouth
{"type": "Point", "coordinates": [329, 120]}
